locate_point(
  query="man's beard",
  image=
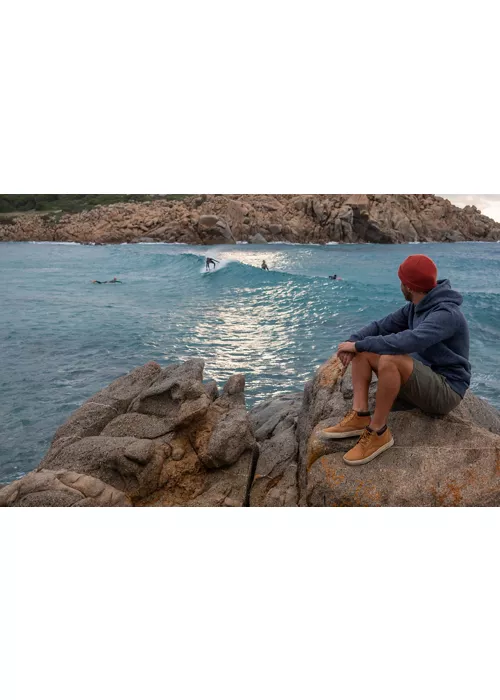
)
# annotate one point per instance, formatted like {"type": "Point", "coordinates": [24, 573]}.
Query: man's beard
{"type": "Point", "coordinates": [407, 294]}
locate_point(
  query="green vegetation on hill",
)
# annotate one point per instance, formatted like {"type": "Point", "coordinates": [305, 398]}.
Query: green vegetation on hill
{"type": "Point", "coordinates": [70, 202]}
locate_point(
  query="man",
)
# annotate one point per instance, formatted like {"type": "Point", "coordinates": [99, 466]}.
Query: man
{"type": "Point", "coordinates": [420, 353]}
{"type": "Point", "coordinates": [210, 261]}
{"type": "Point", "coordinates": [264, 265]}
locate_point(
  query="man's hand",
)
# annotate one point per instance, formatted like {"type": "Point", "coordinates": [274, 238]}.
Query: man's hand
{"type": "Point", "coordinates": [347, 347]}
{"type": "Point", "coordinates": [346, 352]}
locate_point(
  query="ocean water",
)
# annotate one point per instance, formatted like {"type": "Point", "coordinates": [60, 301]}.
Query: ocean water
{"type": "Point", "coordinates": [63, 338]}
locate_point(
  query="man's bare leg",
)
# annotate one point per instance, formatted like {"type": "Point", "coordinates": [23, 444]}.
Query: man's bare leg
{"type": "Point", "coordinates": [363, 364]}
{"type": "Point", "coordinates": [393, 371]}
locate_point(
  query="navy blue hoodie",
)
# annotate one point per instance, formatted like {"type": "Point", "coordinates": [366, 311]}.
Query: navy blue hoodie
{"type": "Point", "coordinates": [434, 331]}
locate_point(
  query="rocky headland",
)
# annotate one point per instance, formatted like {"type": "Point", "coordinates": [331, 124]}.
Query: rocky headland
{"type": "Point", "coordinates": [169, 437]}
{"type": "Point", "coordinates": [219, 219]}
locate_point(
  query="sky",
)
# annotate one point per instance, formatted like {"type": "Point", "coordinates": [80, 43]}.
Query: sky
{"type": "Point", "coordinates": [489, 204]}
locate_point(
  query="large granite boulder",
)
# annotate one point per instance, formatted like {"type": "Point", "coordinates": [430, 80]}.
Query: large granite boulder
{"type": "Point", "coordinates": [153, 437]}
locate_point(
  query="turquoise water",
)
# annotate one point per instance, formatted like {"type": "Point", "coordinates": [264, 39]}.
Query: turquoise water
{"type": "Point", "coordinates": [63, 338]}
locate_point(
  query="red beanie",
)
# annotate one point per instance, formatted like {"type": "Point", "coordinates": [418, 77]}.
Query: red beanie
{"type": "Point", "coordinates": [418, 273]}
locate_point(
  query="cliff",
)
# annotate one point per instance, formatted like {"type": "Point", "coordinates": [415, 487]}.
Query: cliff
{"type": "Point", "coordinates": [216, 219]}
{"type": "Point", "coordinates": [167, 437]}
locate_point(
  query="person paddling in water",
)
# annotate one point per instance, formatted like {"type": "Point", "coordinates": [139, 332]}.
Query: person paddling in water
{"type": "Point", "coordinates": [210, 261]}
{"type": "Point", "coordinates": [113, 281]}
{"type": "Point", "coordinates": [264, 265]}
{"type": "Point", "coordinates": [335, 277]}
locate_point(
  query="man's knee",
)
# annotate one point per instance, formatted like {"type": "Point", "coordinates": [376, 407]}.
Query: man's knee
{"type": "Point", "coordinates": [402, 363]}
{"type": "Point", "coordinates": [386, 361]}
{"type": "Point", "coordinates": [370, 357]}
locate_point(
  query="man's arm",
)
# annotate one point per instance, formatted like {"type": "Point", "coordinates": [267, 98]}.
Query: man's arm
{"type": "Point", "coordinates": [438, 326]}
{"type": "Point", "coordinates": [394, 323]}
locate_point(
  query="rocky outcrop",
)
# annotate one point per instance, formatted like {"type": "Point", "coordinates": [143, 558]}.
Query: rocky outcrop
{"type": "Point", "coordinates": [219, 219]}
{"type": "Point", "coordinates": [154, 437]}
{"type": "Point", "coordinates": [164, 437]}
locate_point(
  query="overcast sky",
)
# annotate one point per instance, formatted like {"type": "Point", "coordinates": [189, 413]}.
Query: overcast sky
{"type": "Point", "coordinates": [489, 204]}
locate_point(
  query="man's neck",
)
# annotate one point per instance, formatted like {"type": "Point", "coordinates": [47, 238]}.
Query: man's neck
{"type": "Point", "coordinates": [417, 297]}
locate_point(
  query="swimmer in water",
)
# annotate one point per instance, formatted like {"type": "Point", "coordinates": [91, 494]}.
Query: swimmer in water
{"type": "Point", "coordinates": [264, 265]}
{"type": "Point", "coordinates": [113, 281]}
{"type": "Point", "coordinates": [335, 277]}
{"type": "Point", "coordinates": [210, 261]}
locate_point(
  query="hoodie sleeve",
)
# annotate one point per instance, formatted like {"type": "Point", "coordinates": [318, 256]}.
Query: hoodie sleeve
{"type": "Point", "coordinates": [438, 326]}
{"type": "Point", "coordinates": [394, 323]}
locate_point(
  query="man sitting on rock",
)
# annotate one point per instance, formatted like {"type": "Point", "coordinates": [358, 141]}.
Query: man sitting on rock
{"type": "Point", "coordinates": [419, 353]}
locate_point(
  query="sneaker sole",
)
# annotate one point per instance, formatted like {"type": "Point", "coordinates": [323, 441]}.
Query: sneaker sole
{"type": "Point", "coordinates": [360, 462]}
{"type": "Point", "coordinates": [339, 436]}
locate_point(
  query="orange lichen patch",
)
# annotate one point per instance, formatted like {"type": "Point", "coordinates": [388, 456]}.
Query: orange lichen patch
{"type": "Point", "coordinates": [449, 495]}
{"type": "Point", "coordinates": [333, 477]}
{"type": "Point", "coordinates": [330, 372]}
{"type": "Point", "coordinates": [367, 494]}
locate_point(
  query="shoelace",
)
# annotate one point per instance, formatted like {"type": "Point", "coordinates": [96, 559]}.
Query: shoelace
{"type": "Point", "coordinates": [365, 437]}
{"type": "Point", "coordinates": [347, 418]}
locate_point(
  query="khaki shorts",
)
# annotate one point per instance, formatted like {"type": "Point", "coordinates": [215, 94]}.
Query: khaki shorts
{"type": "Point", "coordinates": [429, 391]}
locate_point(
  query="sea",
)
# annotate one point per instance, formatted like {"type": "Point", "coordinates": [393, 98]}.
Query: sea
{"type": "Point", "coordinates": [63, 338]}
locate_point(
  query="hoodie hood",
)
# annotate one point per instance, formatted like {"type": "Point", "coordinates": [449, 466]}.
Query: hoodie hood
{"type": "Point", "coordinates": [441, 294]}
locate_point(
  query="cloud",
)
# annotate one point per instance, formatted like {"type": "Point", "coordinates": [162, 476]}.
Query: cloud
{"type": "Point", "coordinates": [488, 204]}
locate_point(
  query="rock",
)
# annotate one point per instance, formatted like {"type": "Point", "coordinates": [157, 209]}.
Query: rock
{"type": "Point", "coordinates": [358, 201]}
{"type": "Point", "coordinates": [226, 432]}
{"type": "Point", "coordinates": [258, 239]}
{"type": "Point", "coordinates": [178, 396]}
{"type": "Point", "coordinates": [274, 421]}
{"type": "Point", "coordinates": [272, 416]}
{"type": "Point", "coordinates": [175, 441]}
{"type": "Point", "coordinates": [61, 488]}
{"type": "Point", "coordinates": [95, 414]}
{"type": "Point", "coordinates": [127, 464]}
{"type": "Point", "coordinates": [275, 482]}
{"type": "Point", "coordinates": [138, 425]}
{"type": "Point", "coordinates": [275, 229]}
{"type": "Point", "coordinates": [235, 385]}
{"type": "Point", "coordinates": [215, 229]}
{"type": "Point", "coordinates": [208, 221]}
{"type": "Point", "coordinates": [212, 390]}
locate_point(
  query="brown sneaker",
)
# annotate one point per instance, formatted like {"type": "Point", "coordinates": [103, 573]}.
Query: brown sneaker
{"type": "Point", "coordinates": [351, 425]}
{"type": "Point", "coordinates": [369, 446]}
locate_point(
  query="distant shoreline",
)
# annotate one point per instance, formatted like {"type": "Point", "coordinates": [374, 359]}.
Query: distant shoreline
{"type": "Point", "coordinates": [246, 243]}
{"type": "Point", "coordinates": [257, 219]}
